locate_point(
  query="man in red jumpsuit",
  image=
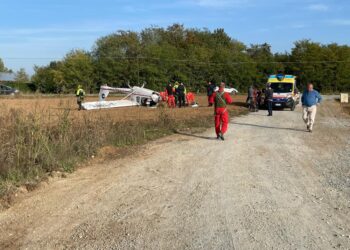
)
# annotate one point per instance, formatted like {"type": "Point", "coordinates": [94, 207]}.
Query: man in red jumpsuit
{"type": "Point", "coordinates": [171, 99]}
{"type": "Point", "coordinates": [221, 99]}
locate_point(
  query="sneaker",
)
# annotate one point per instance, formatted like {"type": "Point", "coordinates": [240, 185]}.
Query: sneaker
{"type": "Point", "coordinates": [218, 137]}
{"type": "Point", "coordinates": [308, 127]}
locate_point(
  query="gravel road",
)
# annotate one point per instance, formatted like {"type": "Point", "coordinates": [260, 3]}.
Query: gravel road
{"type": "Point", "coordinates": [270, 185]}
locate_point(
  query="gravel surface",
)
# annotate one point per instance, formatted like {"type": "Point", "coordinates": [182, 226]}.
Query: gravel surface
{"type": "Point", "coordinates": [270, 185]}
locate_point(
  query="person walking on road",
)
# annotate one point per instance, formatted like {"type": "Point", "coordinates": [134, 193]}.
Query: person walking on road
{"type": "Point", "coordinates": [181, 92]}
{"type": "Point", "coordinates": [310, 99]}
{"type": "Point", "coordinates": [80, 94]}
{"type": "Point", "coordinates": [269, 98]}
{"type": "Point", "coordinates": [210, 91]}
{"type": "Point", "coordinates": [221, 99]}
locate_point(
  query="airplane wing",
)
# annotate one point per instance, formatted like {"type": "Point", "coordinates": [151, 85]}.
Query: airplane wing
{"type": "Point", "coordinates": [108, 104]}
{"type": "Point", "coordinates": [228, 90]}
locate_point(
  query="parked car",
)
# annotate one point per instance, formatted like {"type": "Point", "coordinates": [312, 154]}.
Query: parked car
{"type": "Point", "coordinates": [6, 90]}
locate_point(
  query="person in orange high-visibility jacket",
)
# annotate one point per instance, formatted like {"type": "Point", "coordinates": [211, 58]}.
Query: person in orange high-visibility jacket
{"type": "Point", "coordinates": [221, 99]}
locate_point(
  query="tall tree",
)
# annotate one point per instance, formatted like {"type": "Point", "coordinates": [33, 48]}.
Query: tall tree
{"type": "Point", "coordinates": [22, 76]}
{"type": "Point", "coordinates": [77, 69]}
{"type": "Point", "coordinates": [159, 55]}
{"type": "Point", "coordinates": [3, 68]}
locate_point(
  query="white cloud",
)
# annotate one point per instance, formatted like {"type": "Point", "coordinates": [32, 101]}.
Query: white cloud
{"type": "Point", "coordinates": [318, 7]}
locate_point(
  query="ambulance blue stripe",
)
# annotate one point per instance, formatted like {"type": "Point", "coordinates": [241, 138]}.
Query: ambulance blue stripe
{"type": "Point", "coordinates": [286, 76]}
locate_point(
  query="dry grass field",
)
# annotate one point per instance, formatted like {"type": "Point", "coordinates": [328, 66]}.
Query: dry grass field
{"type": "Point", "coordinates": [53, 106]}
{"type": "Point", "coordinates": [40, 134]}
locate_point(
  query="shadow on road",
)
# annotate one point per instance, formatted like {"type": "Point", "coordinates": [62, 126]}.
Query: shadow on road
{"type": "Point", "coordinates": [257, 114]}
{"type": "Point", "coordinates": [261, 126]}
{"type": "Point", "coordinates": [195, 136]}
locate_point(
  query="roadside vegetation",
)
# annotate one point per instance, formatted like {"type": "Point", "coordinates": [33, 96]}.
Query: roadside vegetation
{"type": "Point", "coordinates": [35, 143]}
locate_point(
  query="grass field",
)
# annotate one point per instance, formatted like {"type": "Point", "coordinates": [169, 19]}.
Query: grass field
{"type": "Point", "coordinates": [52, 106]}
{"type": "Point", "coordinates": [39, 134]}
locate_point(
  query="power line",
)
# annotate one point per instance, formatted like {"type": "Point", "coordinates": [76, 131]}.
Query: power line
{"type": "Point", "coordinates": [183, 60]}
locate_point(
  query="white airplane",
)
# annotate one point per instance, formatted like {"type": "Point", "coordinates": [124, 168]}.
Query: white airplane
{"type": "Point", "coordinates": [228, 90]}
{"type": "Point", "coordinates": [135, 96]}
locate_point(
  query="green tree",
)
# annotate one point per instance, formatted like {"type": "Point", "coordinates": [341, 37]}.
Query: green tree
{"type": "Point", "coordinates": [77, 69]}
{"type": "Point", "coordinates": [49, 79]}
{"type": "Point", "coordinates": [159, 55]}
{"type": "Point", "coordinates": [261, 54]}
{"type": "Point", "coordinates": [22, 76]}
{"type": "Point", "coordinates": [3, 68]}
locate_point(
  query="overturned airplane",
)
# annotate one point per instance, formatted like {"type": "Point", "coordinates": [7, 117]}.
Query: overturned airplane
{"type": "Point", "coordinates": [135, 96]}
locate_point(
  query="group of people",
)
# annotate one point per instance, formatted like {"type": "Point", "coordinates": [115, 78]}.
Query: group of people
{"type": "Point", "coordinates": [254, 98]}
{"type": "Point", "coordinates": [310, 100]}
{"type": "Point", "coordinates": [218, 98]}
{"type": "Point", "coordinates": [176, 95]}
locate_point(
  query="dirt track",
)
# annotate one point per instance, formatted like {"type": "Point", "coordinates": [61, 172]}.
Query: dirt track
{"type": "Point", "coordinates": [271, 185]}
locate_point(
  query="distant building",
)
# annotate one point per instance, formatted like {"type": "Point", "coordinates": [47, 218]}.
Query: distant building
{"type": "Point", "coordinates": [7, 77]}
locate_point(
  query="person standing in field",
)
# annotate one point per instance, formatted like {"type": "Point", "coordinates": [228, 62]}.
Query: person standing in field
{"type": "Point", "coordinates": [181, 92]}
{"type": "Point", "coordinates": [310, 99]}
{"type": "Point", "coordinates": [269, 98]}
{"type": "Point", "coordinates": [221, 99]}
{"type": "Point", "coordinates": [80, 94]}
{"type": "Point", "coordinates": [176, 85]}
{"type": "Point", "coordinates": [210, 91]}
{"type": "Point", "coordinates": [170, 93]}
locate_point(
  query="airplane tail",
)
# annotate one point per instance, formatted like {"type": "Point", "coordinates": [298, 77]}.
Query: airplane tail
{"type": "Point", "coordinates": [104, 92]}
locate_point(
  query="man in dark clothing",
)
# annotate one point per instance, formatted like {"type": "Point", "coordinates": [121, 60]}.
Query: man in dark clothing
{"type": "Point", "coordinates": [250, 96]}
{"type": "Point", "coordinates": [210, 91]}
{"type": "Point", "coordinates": [258, 99]}
{"type": "Point", "coordinates": [181, 94]}
{"type": "Point", "coordinates": [269, 98]}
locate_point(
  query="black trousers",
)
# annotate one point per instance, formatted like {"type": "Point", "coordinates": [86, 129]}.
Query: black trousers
{"type": "Point", "coordinates": [269, 107]}
{"type": "Point", "coordinates": [181, 100]}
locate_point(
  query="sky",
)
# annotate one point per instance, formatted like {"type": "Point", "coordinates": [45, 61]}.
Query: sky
{"type": "Point", "coordinates": [35, 32]}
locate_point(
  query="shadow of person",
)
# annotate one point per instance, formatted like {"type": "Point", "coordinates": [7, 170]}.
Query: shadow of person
{"type": "Point", "coordinates": [240, 104]}
{"type": "Point", "coordinates": [268, 127]}
{"type": "Point", "coordinates": [195, 136]}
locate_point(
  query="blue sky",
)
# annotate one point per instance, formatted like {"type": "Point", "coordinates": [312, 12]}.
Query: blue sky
{"type": "Point", "coordinates": [38, 31]}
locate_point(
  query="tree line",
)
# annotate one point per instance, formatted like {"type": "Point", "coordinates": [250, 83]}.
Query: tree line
{"type": "Point", "coordinates": [194, 56]}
